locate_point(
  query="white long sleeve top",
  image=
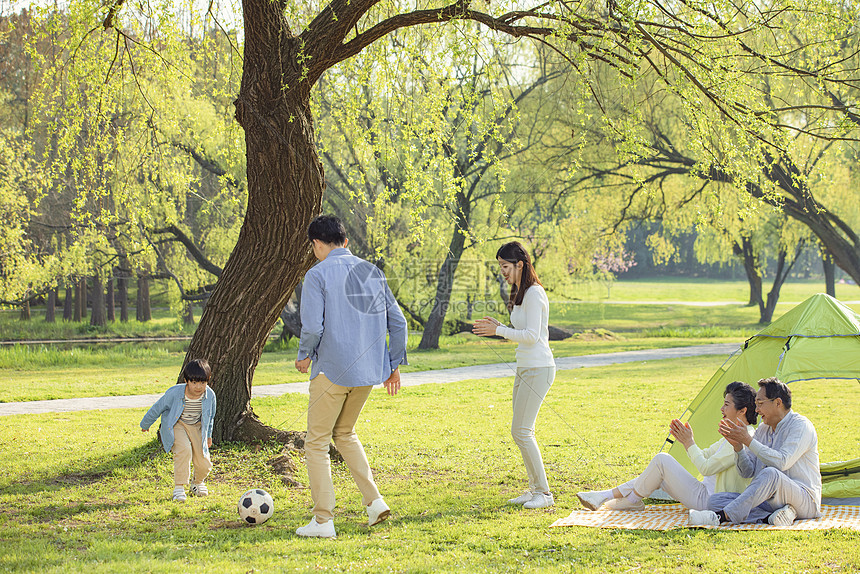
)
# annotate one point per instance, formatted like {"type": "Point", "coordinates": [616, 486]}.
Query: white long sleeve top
{"type": "Point", "coordinates": [530, 329]}
{"type": "Point", "coordinates": [718, 461]}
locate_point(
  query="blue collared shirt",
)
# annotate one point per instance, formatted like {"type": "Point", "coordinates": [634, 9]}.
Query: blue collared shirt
{"type": "Point", "coordinates": [347, 309]}
{"type": "Point", "coordinates": [792, 447]}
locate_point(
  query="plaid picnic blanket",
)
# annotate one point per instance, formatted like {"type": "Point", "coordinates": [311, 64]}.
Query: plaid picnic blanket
{"type": "Point", "coordinates": [670, 516]}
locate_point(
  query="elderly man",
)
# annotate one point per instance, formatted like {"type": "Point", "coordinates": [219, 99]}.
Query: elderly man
{"type": "Point", "coordinates": [781, 458]}
{"type": "Point", "coordinates": [347, 311]}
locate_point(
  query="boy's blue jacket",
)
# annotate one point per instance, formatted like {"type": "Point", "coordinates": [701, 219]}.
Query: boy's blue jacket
{"type": "Point", "coordinates": [170, 406]}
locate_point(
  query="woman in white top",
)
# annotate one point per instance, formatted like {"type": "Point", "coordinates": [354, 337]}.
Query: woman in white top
{"type": "Point", "coordinates": [716, 464]}
{"type": "Point", "coordinates": [529, 309]}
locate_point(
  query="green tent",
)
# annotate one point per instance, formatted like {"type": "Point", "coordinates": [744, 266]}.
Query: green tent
{"type": "Point", "coordinates": [818, 339]}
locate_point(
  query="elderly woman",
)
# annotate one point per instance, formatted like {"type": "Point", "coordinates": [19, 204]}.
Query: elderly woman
{"type": "Point", "coordinates": [716, 464]}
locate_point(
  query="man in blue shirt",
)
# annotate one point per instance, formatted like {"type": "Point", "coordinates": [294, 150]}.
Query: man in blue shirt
{"type": "Point", "coordinates": [347, 310]}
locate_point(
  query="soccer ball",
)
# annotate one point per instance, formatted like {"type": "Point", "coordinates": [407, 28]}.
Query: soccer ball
{"type": "Point", "coordinates": [256, 506]}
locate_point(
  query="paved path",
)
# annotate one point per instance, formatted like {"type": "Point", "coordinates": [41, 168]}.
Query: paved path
{"type": "Point", "coordinates": [494, 371]}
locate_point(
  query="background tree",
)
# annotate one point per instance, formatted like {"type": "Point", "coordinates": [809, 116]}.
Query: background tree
{"type": "Point", "coordinates": [285, 54]}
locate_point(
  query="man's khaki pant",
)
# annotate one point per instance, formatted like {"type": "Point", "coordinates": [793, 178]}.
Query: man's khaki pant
{"type": "Point", "coordinates": [188, 448]}
{"type": "Point", "coordinates": [332, 415]}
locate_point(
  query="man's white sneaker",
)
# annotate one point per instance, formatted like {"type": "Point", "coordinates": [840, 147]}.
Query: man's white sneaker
{"type": "Point", "coordinates": [522, 499]}
{"type": "Point", "coordinates": [782, 516]}
{"type": "Point", "coordinates": [623, 504]}
{"type": "Point", "coordinates": [703, 518]}
{"type": "Point", "coordinates": [591, 500]}
{"type": "Point", "coordinates": [316, 530]}
{"type": "Point", "coordinates": [199, 489]}
{"type": "Point", "coordinates": [540, 500]}
{"type": "Point", "coordinates": [377, 511]}
{"type": "Point", "coordinates": [179, 494]}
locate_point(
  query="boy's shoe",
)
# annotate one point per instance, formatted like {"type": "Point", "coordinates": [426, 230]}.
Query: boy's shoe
{"type": "Point", "coordinates": [523, 498]}
{"type": "Point", "coordinates": [179, 494]}
{"type": "Point", "coordinates": [703, 518]}
{"type": "Point", "coordinates": [623, 504]}
{"type": "Point", "coordinates": [782, 516]}
{"type": "Point", "coordinates": [377, 511]}
{"type": "Point", "coordinates": [199, 489]}
{"type": "Point", "coordinates": [316, 530]}
{"type": "Point", "coordinates": [540, 500]}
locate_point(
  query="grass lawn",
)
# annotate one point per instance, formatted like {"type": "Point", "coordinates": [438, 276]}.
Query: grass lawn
{"type": "Point", "coordinates": [695, 289]}
{"type": "Point", "coordinates": [88, 492]}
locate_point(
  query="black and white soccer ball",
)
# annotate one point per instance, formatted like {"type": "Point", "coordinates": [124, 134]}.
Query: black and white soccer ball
{"type": "Point", "coordinates": [256, 506]}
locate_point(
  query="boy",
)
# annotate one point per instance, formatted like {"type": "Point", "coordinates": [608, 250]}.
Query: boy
{"type": "Point", "coordinates": [187, 412]}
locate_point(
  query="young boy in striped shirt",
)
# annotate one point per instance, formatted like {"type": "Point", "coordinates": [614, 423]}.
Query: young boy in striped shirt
{"type": "Point", "coordinates": [187, 412]}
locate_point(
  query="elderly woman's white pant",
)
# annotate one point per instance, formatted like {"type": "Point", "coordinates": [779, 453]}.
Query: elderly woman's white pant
{"type": "Point", "coordinates": [667, 473]}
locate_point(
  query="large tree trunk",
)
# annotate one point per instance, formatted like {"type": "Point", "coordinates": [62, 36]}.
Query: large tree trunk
{"type": "Point", "coordinates": [68, 304]}
{"type": "Point", "coordinates": [829, 273]}
{"type": "Point", "coordinates": [98, 317]}
{"type": "Point", "coordinates": [144, 310]}
{"type": "Point", "coordinates": [85, 297]}
{"type": "Point", "coordinates": [51, 307]}
{"type": "Point", "coordinates": [782, 271]}
{"type": "Point", "coordinates": [285, 186]}
{"type": "Point", "coordinates": [122, 288]}
{"type": "Point", "coordinates": [80, 297]}
{"type": "Point", "coordinates": [110, 299]}
{"type": "Point", "coordinates": [445, 278]}
{"type": "Point", "coordinates": [25, 311]}
{"type": "Point", "coordinates": [188, 316]}
{"type": "Point", "coordinates": [747, 254]}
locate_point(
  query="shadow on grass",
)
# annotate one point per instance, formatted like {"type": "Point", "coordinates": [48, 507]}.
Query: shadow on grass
{"type": "Point", "coordinates": [53, 513]}
{"type": "Point", "coordinates": [100, 469]}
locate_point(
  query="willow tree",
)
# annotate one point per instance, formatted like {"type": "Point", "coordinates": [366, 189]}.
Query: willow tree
{"type": "Point", "coordinates": [287, 47]}
{"type": "Point", "coordinates": [782, 138]}
{"type": "Point", "coordinates": [127, 144]}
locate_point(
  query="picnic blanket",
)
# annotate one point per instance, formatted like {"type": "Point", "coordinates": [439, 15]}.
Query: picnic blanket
{"type": "Point", "coordinates": [670, 516]}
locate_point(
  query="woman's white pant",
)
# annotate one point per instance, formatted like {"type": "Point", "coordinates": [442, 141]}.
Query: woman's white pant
{"type": "Point", "coordinates": [530, 387]}
{"type": "Point", "coordinates": [667, 473]}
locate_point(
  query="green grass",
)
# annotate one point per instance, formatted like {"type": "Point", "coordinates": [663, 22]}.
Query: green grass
{"type": "Point", "coordinates": [695, 289]}
{"type": "Point", "coordinates": [163, 324]}
{"type": "Point", "coordinates": [88, 492]}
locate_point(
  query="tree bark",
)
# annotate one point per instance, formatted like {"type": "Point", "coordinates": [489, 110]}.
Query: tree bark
{"type": "Point", "coordinates": [291, 316]}
{"type": "Point", "coordinates": [782, 271]}
{"type": "Point", "coordinates": [98, 317]}
{"type": "Point", "coordinates": [188, 316]}
{"type": "Point", "coordinates": [122, 287]}
{"type": "Point", "coordinates": [25, 311]}
{"type": "Point", "coordinates": [68, 304]}
{"type": "Point", "coordinates": [85, 297]}
{"type": "Point", "coordinates": [747, 254]}
{"type": "Point", "coordinates": [285, 186]}
{"type": "Point", "coordinates": [829, 273]}
{"type": "Point", "coordinates": [110, 299]}
{"type": "Point", "coordinates": [144, 310]}
{"type": "Point", "coordinates": [445, 278]}
{"type": "Point", "coordinates": [79, 302]}
{"type": "Point", "coordinates": [51, 307]}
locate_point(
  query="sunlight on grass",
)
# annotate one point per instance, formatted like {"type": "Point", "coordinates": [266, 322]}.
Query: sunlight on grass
{"type": "Point", "coordinates": [88, 492]}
